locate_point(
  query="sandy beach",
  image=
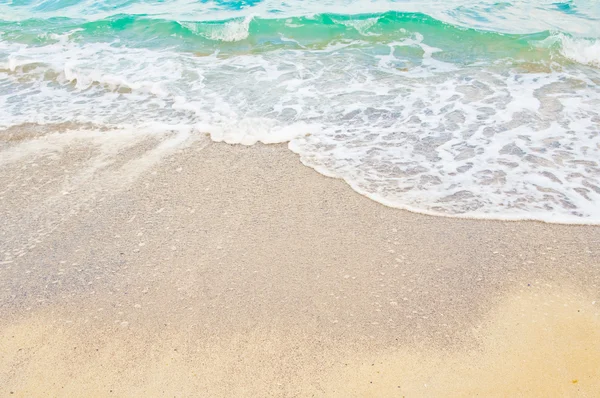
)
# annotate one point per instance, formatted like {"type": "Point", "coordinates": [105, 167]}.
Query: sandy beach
{"type": "Point", "coordinates": [153, 265]}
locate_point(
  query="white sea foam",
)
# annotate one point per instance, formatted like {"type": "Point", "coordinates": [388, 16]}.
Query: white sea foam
{"type": "Point", "coordinates": [234, 30]}
{"type": "Point", "coordinates": [584, 51]}
{"type": "Point", "coordinates": [403, 128]}
{"type": "Point", "coordinates": [61, 38]}
{"type": "Point", "coordinates": [581, 50]}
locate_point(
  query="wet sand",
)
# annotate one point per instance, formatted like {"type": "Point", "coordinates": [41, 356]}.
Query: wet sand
{"type": "Point", "coordinates": [173, 266]}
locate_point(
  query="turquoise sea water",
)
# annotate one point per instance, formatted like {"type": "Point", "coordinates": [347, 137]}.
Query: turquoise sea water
{"type": "Point", "coordinates": [480, 109]}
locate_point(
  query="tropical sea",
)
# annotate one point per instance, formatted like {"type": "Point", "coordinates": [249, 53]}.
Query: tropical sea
{"type": "Point", "coordinates": [478, 109]}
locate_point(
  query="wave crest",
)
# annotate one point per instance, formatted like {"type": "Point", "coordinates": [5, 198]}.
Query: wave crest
{"type": "Point", "coordinates": [230, 31]}
{"type": "Point", "coordinates": [583, 51]}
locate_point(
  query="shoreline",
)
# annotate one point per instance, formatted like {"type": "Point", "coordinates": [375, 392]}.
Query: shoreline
{"type": "Point", "coordinates": [260, 272]}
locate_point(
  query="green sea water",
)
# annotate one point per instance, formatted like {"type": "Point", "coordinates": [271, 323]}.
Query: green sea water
{"type": "Point", "coordinates": [254, 34]}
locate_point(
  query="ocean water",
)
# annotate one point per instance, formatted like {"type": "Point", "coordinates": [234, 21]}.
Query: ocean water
{"type": "Point", "coordinates": [482, 109]}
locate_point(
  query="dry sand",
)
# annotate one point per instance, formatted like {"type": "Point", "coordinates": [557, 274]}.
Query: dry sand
{"type": "Point", "coordinates": [172, 266]}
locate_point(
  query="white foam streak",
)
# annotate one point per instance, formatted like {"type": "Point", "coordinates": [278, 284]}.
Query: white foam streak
{"type": "Point", "coordinates": [252, 130]}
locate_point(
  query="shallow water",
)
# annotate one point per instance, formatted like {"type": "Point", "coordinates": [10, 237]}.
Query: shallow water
{"type": "Point", "coordinates": [476, 109]}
